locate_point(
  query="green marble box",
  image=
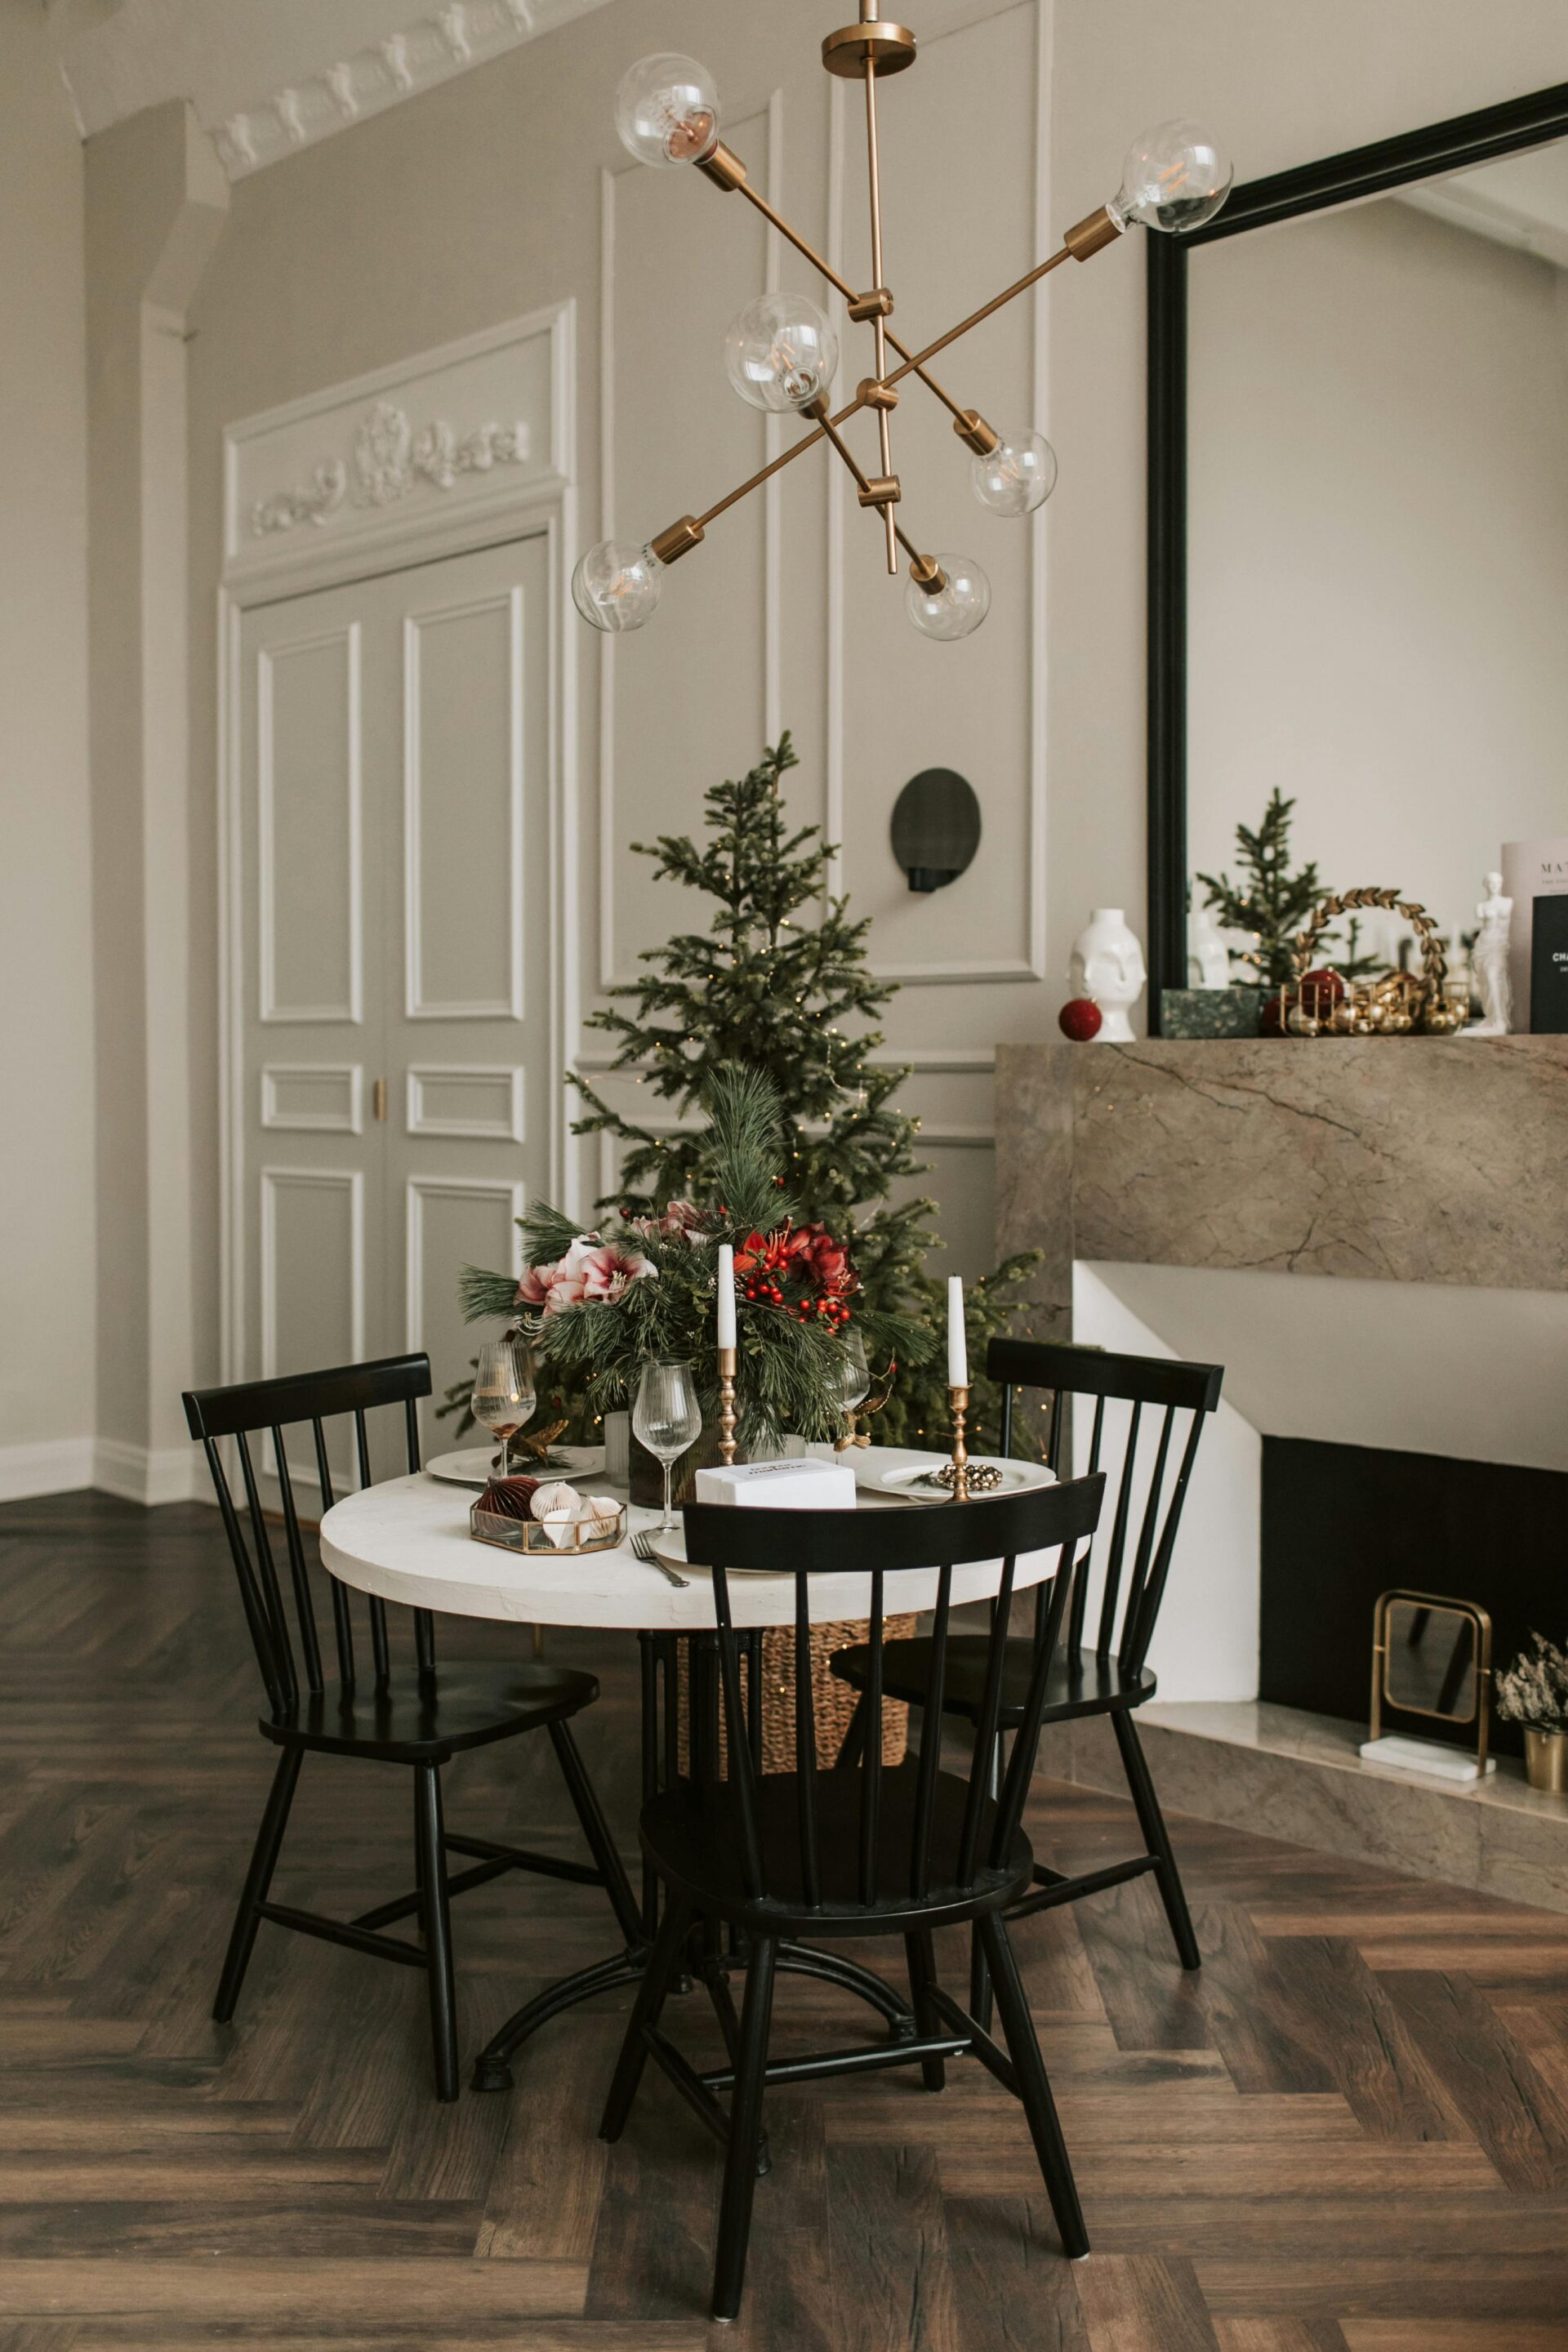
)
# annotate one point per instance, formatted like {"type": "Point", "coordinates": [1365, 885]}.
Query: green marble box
{"type": "Point", "coordinates": [1210, 1012]}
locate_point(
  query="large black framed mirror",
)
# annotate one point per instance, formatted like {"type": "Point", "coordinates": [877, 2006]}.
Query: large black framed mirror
{"type": "Point", "coordinates": [1327, 552]}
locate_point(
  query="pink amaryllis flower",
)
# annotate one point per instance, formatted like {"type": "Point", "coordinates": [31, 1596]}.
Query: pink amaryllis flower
{"type": "Point", "coordinates": [591, 1269]}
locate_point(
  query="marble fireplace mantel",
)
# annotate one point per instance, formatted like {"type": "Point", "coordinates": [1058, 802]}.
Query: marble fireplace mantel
{"type": "Point", "coordinates": [1393, 1159]}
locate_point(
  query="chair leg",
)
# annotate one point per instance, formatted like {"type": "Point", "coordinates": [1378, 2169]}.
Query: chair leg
{"type": "Point", "coordinates": [1023, 2048]}
{"type": "Point", "coordinates": [920, 1952]}
{"type": "Point", "coordinates": [257, 1879]}
{"type": "Point", "coordinates": [745, 2131]}
{"type": "Point", "coordinates": [980, 2005]}
{"type": "Point", "coordinates": [436, 1919]}
{"type": "Point", "coordinates": [664, 1961]}
{"type": "Point", "coordinates": [596, 1830]}
{"type": "Point", "coordinates": [1156, 1837]}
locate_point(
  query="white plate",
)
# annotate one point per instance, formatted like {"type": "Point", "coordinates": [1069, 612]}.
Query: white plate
{"type": "Point", "coordinates": [892, 1470]}
{"type": "Point", "coordinates": [474, 1466]}
{"type": "Point", "coordinates": [671, 1549]}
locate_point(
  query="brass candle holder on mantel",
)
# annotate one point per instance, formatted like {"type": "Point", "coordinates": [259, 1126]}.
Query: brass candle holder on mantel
{"type": "Point", "coordinates": [726, 1365]}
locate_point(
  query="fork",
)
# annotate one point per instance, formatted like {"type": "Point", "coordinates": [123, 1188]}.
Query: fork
{"type": "Point", "coordinates": [642, 1549]}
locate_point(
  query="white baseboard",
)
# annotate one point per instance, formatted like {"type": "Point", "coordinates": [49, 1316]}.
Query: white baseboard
{"type": "Point", "coordinates": [139, 1475]}
{"type": "Point", "coordinates": [58, 1465]}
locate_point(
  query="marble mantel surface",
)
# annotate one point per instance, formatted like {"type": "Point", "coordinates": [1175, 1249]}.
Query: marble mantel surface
{"type": "Point", "coordinates": [1395, 1160]}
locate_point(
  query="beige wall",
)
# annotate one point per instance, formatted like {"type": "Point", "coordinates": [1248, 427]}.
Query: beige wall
{"type": "Point", "coordinates": [1378, 551]}
{"type": "Point", "coordinates": [484, 198]}
{"type": "Point", "coordinates": [46, 1241]}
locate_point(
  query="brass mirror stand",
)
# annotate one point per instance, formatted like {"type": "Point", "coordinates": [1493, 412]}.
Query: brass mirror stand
{"type": "Point", "coordinates": [1468, 1677]}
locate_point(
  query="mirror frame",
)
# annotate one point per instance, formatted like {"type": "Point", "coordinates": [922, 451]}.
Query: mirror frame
{"type": "Point", "coordinates": [1351, 178]}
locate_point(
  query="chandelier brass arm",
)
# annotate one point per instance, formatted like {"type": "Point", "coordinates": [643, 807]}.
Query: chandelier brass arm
{"type": "Point", "coordinates": [781, 352]}
{"type": "Point", "coordinates": [865, 396]}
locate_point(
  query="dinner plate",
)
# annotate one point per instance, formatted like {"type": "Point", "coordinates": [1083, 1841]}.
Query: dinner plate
{"type": "Point", "coordinates": [895, 1470]}
{"type": "Point", "coordinates": [671, 1549]}
{"type": "Point", "coordinates": [475, 1466]}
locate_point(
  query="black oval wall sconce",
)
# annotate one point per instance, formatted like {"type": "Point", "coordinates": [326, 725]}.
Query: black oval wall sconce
{"type": "Point", "coordinates": [936, 828]}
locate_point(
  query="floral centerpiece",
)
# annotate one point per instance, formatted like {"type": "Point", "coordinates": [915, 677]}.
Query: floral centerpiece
{"type": "Point", "coordinates": [596, 1306]}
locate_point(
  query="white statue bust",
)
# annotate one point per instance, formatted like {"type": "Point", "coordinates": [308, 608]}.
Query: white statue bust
{"type": "Point", "coordinates": [1489, 962]}
{"type": "Point", "coordinates": [1108, 965]}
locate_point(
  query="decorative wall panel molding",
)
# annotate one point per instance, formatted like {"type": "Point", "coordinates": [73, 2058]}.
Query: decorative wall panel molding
{"type": "Point", "coordinates": [428, 835]}
{"type": "Point", "coordinates": [417, 1191]}
{"type": "Point", "coordinates": [443, 41]}
{"type": "Point", "coordinates": [310, 820]}
{"type": "Point", "coordinates": [275, 1182]}
{"type": "Point", "coordinates": [481, 1100]}
{"type": "Point", "coordinates": [312, 1097]}
{"type": "Point", "coordinates": [476, 427]}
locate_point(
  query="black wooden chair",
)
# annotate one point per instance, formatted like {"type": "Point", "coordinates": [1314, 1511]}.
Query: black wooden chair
{"type": "Point", "coordinates": [871, 1850]}
{"type": "Point", "coordinates": [398, 1714]}
{"type": "Point", "coordinates": [1111, 1678]}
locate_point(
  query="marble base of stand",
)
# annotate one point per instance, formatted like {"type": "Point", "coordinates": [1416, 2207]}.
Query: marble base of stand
{"type": "Point", "coordinates": [1295, 1775]}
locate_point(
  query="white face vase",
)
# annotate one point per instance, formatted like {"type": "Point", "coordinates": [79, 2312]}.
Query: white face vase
{"type": "Point", "coordinates": [1108, 965]}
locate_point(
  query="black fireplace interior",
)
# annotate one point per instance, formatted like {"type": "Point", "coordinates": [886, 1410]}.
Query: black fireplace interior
{"type": "Point", "coordinates": [1344, 1523]}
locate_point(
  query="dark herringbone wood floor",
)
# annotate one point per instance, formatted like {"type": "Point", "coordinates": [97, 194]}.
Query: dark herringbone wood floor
{"type": "Point", "coordinates": [1349, 2134]}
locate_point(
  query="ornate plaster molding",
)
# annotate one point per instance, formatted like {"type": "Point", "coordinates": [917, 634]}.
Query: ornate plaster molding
{"type": "Point", "coordinates": [389, 460]}
{"type": "Point", "coordinates": [450, 38]}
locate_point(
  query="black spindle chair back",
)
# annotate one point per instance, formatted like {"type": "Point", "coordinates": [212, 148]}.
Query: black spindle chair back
{"type": "Point", "coordinates": [906, 1850]}
{"type": "Point", "coordinates": [258, 1409]}
{"type": "Point", "coordinates": [1151, 1484]}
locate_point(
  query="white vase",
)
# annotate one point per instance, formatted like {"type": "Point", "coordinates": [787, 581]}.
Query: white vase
{"type": "Point", "coordinates": [1108, 965]}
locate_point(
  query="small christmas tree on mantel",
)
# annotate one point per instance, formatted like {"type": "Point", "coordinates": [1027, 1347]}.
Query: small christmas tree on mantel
{"type": "Point", "coordinates": [779, 982]}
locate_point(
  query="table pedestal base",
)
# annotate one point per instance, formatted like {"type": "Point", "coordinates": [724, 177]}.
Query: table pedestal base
{"type": "Point", "coordinates": [710, 1961]}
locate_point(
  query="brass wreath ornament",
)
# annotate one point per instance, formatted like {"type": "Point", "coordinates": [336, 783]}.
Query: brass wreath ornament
{"type": "Point", "coordinates": [1391, 1007]}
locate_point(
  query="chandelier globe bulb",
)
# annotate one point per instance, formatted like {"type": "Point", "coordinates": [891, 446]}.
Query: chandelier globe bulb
{"type": "Point", "coordinates": [955, 609]}
{"type": "Point", "coordinates": [1018, 475]}
{"type": "Point", "coordinates": [617, 585]}
{"type": "Point", "coordinates": [1175, 179]}
{"type": "Point", "coordinates": [781, 352]}
{"type": "Point", "coordinates": [667, 111]}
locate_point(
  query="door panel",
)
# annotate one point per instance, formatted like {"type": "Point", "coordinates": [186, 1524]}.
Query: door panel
{"type": "Point", "coordinates": [309, 864]}
{"type": "Point", "coordinates": [464, 821]}
{"type": "Point", "coordinates": [451, 1221]}
{"type": "Point", "coordinates": [396, 842]}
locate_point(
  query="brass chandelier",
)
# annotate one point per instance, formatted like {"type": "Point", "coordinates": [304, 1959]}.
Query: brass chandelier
{"type": "Point", "coordinates": [782, 352]}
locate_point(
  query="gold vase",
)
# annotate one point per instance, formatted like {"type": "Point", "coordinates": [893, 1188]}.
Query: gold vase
{"type": "Point", "coordinates": [1546, 1760]}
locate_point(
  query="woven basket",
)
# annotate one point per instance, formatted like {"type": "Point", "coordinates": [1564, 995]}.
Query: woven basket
{"type": "Point", "coordinates": [833, 1702]}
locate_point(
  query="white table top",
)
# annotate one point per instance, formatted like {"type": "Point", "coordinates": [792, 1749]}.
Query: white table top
{"type": "Point", "coordinates": [408, 1540]}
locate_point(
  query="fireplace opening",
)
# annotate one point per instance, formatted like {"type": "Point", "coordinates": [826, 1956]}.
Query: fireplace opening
{"type": "Point", "coordinates": [1342, 1523]}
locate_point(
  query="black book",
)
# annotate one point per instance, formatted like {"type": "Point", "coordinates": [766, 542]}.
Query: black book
{"type": "Point", "coordinates": [1549, 968]}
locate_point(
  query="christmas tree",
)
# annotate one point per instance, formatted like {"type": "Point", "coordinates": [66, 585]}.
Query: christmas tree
{"type": "Point", "coordinates": [779, 980]}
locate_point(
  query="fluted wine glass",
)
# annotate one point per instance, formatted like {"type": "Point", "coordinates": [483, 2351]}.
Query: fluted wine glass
{"type": "Point", "coordinates": [854, 1382]}
{"type": "Point", "coordinates": [667, 1418]}
{"type": "Point", "coordinates": [503, 1397]}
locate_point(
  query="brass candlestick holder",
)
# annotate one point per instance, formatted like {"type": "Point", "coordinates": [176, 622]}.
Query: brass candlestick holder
{"type": "Point", "coordinates": [727, 1405]}
{"type": "Point", "coordinates": [958, 1399]}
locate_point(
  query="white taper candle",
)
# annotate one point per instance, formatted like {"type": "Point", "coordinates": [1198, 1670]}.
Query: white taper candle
{"type": "Point", "coordinates": [957, 1343]}
{"type": "Point", "coordinates": [726, 1296]}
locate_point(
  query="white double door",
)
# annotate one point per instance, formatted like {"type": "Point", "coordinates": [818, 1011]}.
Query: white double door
{"type": "Point", "coordinates": [395, 862]}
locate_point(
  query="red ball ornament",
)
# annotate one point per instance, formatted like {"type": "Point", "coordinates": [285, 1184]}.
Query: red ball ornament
{"type": "Point", "coordinates": [1079, 1019]}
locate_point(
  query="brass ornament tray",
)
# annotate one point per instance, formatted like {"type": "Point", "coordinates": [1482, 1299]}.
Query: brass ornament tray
{"type": "Point", "coordinates": [534, 1537]}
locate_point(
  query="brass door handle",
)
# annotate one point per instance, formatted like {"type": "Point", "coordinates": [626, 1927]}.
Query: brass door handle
{"type": "Point", "coordinates": [378, 1100]}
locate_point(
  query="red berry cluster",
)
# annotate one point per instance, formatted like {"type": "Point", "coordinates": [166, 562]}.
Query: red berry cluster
{"type": "Point", "coordinates": [826, 1310]}
{"type": "Point", "coordinates": [764, 1293]}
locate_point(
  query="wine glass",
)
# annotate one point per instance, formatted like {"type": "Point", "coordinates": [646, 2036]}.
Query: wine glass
{"type": "Point", "coordinates": [667, 1418]}
{"type": "Point", "coordinates": [854, 1382]}
{"type": "Point", "coordinates": [503, 1397]}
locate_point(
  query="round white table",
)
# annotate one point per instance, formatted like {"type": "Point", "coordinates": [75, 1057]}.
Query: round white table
{"type": "Point", "coordinates": [408, 1540]}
